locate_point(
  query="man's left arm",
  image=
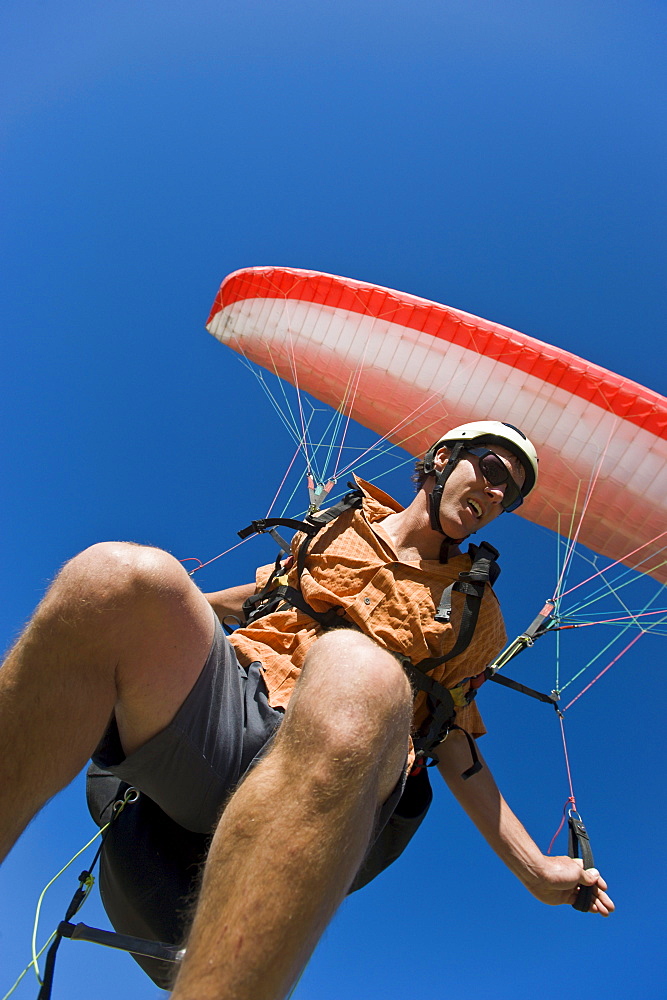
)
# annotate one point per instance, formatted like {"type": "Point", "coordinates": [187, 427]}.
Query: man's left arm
{"type": "Point", "coordinates": [229, 603]}
{"type": "Point", "coordinates": [553, 880]}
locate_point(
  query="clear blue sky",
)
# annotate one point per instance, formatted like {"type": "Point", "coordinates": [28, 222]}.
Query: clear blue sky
{"type": "Point", "coordinates": [505, 158]}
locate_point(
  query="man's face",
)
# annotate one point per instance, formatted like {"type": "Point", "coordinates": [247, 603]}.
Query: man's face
{"type": "Point", "coordinates": [469, 502]}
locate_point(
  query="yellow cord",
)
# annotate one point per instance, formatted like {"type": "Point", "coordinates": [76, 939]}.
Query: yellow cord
{"type": "Point", "coordinates": [131, 795]}
{"type": "Point", "coordinates": [35, 927]}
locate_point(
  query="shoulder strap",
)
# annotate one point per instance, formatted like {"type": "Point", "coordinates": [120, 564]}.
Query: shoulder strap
{"type": "Point", "coordinates": [277, 592]}
{"type": "Point", "coordinates": [443, 703]}
{"type": "Point", "coordinates": [484, 570]}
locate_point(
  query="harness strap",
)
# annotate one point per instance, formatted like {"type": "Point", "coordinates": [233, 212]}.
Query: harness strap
{"type": "Point", "coordinates": [443, 712]}
{"type": "Point", "coordinates": [123, 942]}
{"type": "Point", "coordinates": [78, 899]}
{"type": "Point", "coordinates": [273, 596]}
{"type": "Point", "coordinates": [442, 702]}
{"type": "Point", "coordinates": [285, 594]}
{"type": "Point", "coordinates": [263, 524]}
{"type": "Point", "coordinates": [548, 699]}
{"type": "Point", "coordinates": [484, 570]}
{"type": "Point", "coordinates": [351, 501]}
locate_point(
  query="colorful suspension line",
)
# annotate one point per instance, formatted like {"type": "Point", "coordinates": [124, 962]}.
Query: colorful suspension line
{"type": "Point", "coordinates": [579, 845]}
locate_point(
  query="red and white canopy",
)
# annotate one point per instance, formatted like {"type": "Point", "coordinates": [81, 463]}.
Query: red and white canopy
{"type": "Point", "coordinates": [419, 368]}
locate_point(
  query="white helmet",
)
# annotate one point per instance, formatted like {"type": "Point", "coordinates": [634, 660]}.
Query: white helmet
{"type": "Point", "coordinates": [490, 432]}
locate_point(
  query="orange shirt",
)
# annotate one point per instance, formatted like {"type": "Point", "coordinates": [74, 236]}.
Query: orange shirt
{"type": "Point", "coordinates": [351, 564]}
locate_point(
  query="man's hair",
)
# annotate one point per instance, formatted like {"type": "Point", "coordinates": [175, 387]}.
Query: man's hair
{"type": "Point", "coordinates": [419, 476]}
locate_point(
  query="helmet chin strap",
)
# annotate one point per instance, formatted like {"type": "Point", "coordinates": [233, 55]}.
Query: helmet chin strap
{"type": "Point", "coordinates": [435, 497]}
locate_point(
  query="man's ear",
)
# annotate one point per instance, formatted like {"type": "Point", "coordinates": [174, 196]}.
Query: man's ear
{"type": "Point", "coordinates": [441, 456]}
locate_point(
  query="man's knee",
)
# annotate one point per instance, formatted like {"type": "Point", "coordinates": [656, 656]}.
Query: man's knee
{"type": "Point", "coordinates": [112, 576]}
{"type": "Point", "coordinates": [120, 606]}
{"type": "Point", "coordinates": [354, 698]}
{"type": "Point", "coordinates": [351, 665]}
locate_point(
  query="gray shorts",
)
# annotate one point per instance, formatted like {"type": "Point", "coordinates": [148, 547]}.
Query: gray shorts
{"type": "Point", "coordinates": [222, 727]}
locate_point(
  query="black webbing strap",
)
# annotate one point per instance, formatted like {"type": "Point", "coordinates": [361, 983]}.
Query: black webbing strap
{"type": "Point", "coordinates": [484, 570]}
{"type": "Point", "coordinates": [538, 627]}
{"type": "Point", "coordinates": [123, 942]}
{"type": "Point", "coordinates": [262, 603]}
{"type": "Point", "coordinates": [49, 968]}
{"type": "Point", "coordinates": [549, 699]}
{"type": "Point", "coordinates": [443, 712]}
{"type": "Point", "coordinates": [75, 904]}
{"type": "Point", "coordinates": [266, 600]}
{"type": "Point", "coordinates": [579, 846]}
{"type": "Point", "coordinates": [442, 705]}
{"type": "Point", "coordinates": [273, 596]}
{"type": "Point", "coordinates": [263, 524]}
{"type": "Point", "coordinates": [284, 594]}
{"type": "Point", "coordinates": [111, 939]}
{"type": "Point", "coordinates": [472, 746]}
{"type": "Point", "coordinates": [351, 501]}
{"type": "Point", "coordinates": [312, 523]}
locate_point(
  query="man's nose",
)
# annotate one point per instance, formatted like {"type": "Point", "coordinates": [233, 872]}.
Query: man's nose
{"type": "Point", "coordinates": [495, 493]}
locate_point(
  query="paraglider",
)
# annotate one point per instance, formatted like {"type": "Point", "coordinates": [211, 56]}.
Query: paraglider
{"type": "Point", "coordinates": [405, 367]}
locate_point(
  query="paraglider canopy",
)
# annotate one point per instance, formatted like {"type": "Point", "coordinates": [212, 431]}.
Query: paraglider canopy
{"type": "Point", "coordinates": [404, 366]}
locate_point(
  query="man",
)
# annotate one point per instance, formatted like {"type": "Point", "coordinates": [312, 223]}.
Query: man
{"type": "Point", "coordinates": [320, 722]}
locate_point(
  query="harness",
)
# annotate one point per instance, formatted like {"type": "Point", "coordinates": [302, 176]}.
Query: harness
{"type": "Point", "coordinates": [442, 702]}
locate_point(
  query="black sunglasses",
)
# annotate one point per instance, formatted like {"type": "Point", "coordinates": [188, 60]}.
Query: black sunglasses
{"type": "Point", "coordinates": [496, 473]}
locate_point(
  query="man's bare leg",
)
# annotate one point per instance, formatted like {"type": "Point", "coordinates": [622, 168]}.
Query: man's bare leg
{"type": "Point", "coordinates": [293, 836]}
{"type": "Point", "coordinates": [122, 628]}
